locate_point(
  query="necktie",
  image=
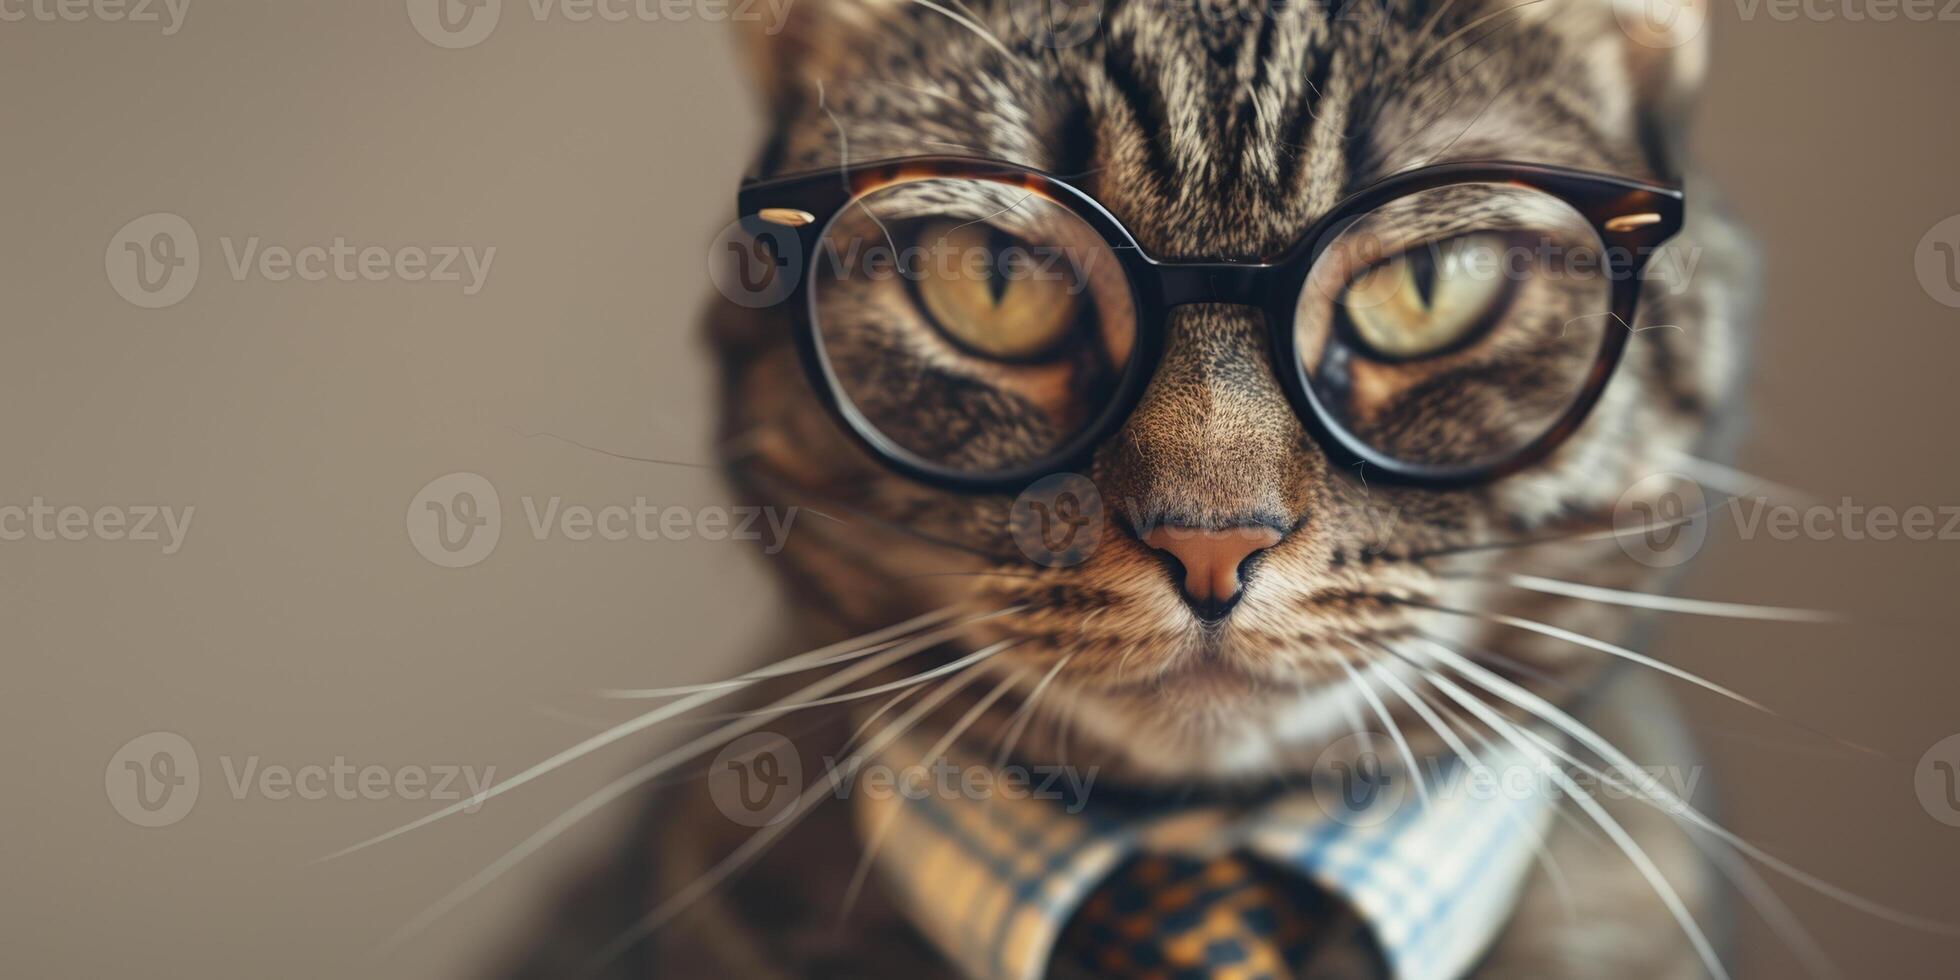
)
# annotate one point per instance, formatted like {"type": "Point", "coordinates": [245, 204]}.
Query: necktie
{"type": "Point", "coordinates": [1173, 917]}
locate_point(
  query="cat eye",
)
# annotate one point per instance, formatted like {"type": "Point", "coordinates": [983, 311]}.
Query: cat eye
{"type": "Point", "coordinates": [1427, 300]}
{"type": "Point", "coordinates": [998, 306]}
{"type": "Point", "coordinates": [978, 325]}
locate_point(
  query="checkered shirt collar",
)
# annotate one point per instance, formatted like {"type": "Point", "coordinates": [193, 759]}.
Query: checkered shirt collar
{"type": "Point", "coordinates": [993, 877]}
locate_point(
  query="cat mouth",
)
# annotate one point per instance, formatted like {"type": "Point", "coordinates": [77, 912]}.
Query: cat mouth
{"type": "Point", "coordinates": [1211, 665]}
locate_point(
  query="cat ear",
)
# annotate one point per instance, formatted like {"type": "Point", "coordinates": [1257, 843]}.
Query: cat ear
{"type": "Point", "coordinates": [793, 45]}
{"type": "Point", "coordinates": [1666, 51]}
{"type": "Point", "coordinates": [1648, 56]}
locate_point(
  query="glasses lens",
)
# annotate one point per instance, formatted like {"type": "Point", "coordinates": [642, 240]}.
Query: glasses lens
{"type": "Point", "coordinates": [973, 324]}
{"type": "Point", "coordinates": [1452, 328]}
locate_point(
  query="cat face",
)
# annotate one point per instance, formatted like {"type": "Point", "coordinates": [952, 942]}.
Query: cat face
{"type": "Point", "coordinates": [1219, 131]}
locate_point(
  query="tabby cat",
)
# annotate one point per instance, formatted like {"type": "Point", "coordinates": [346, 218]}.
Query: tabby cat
{"type": "Point", "coordinates": [1213, 638]}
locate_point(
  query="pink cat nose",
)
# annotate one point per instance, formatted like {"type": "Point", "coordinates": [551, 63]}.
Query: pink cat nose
{"type": "Point", "coordinates": [1211, 561]}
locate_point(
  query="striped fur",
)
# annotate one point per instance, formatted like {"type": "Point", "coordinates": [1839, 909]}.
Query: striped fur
{"type": "Point", "coordinates": [1214, 129]}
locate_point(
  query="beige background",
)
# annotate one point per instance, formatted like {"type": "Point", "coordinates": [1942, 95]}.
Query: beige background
{"type": "Point", "coordinates": [298, 624]}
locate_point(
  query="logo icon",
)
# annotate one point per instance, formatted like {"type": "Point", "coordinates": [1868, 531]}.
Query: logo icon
{"type": "Point", "coordinates": [755, 778]}
{"type": "Point", "coordinates": [153, 261]}
{"type": "Point", "coordinates": [1937, 262]}
{"type": "Point", "coordinates": [455, 24]}
{"type": "Point", "coordinates": [1058, 521]}
{"type": "Point", "coordinates": [152, 779]}
{"type": "Point", "coordinates": [1354, 785]}
{"type": "Point", "coordinates": [1937, 781]}
{"type": "Point", "coordinates": [1058, 24]}
{"type": "Point", "coordinates": [1661, 23]}
{"type": "Point", "coordinates": [755, 263]}
{"type": "Point", "coordinates": [1662, 520]}
{"type": "Point", "coordinates": [455, 521]}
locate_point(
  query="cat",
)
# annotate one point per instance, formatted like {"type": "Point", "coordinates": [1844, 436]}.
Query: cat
{"type": "Point", "coordinates": [1213, 130]}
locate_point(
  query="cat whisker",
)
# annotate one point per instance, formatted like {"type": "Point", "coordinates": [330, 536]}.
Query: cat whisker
{"type": "Point", "coordinates": [774, 488]}
{"type": "Point", "coordinates": [936, 752]}
{"type": "Point", "coordinates": [582, 749]}
{"type": "Point", "coordinates": [1776, 913]}
{"type": "Point", "coordinates": [639, 777]}
{"type": "Point", "coordinates": [1611, 649]}
{"type": "Point", "coordinates": [1357, 726]}
{"type": "Point", "coordinates": [1474, 120]}
{"type": "Point", "coordinates": [1726, 858]}
{"type": "Point", "coordinates": [1426, 32]}
{"type": "Point", "coordinates": [857, 734]}
{"type": "Point", "coordinates": [1449, 710]}
{"type": "Point", "coordinates": [1447, 732]}
{"type": "Point", "coordinates": [970, 573]}
{"type": "Point", "coordinates": [1060, 718]}
{"type": "Point", "coordinates": [1682, 812]}
{"type": "Point", "coordinates": [1015, 206]}
{"type": "Point", "coordinates": [569, 441]}
{"type": "Point", "coordinates": [1418, 63]}
{"type": "Point", "coordinates": [1662, 603]}
{"type": "Point", "coordinates": [971, 659]}
{"type": "Point", "coordinates": [1733, 482]}
{"type": "Point", "coordinates": [1615, 650]}
{"type": "Point", "coordinates": [1642, 862]}
{"type": "Point", "coordinates": [1123, 662]}
{"type": "Point", "coordinates": [733, 453]}
{"type": "Point", "coordinates": [1432, 24]}
{"type": "Point", "coordinates": [835, 653]}
{"type": "Point", "coordinates": [843, 167]}
{"type": "Point", "coordinates": [1457, 94]}
{"type": "Point", "coordinates": [1394, 730]}
{"type": "Point", "coordinates": [974, 26]}
{"type": "Point", "coordinates": [1575, 537]}
{"type": "Point", "coordinates": [632, 726]}
{"type": "Point", "coordinates": [1018, 722]}
{"type": "Point", "coordinates": [746, 680]}
{"type": "Point", "coordinates": [1659, 796]}
{"type": "Point", "coordinates": [1407, 694]}
{"type": "Point", "coordinates": [1517, 667]}
{"type": "Point", "coordinates": [760, 841]}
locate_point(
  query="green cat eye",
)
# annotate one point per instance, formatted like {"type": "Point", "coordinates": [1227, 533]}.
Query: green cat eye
{"type": "Point", "coordinates": [977, 325]}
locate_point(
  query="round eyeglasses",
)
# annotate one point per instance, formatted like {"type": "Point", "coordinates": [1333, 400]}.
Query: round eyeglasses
{"type": "Point", "coordinates": [978, 325]}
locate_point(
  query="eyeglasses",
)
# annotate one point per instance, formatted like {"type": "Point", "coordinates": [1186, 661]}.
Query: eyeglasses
{"type": "Point", "coordinates": [978, 325]}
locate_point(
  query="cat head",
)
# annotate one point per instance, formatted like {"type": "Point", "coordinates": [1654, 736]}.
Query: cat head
{"type": "Point", "coordinates": [1238, 587]}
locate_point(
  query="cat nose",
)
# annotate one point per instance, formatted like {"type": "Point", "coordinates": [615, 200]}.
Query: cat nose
{"type": "Point", "coordinates": [1211, 560]}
